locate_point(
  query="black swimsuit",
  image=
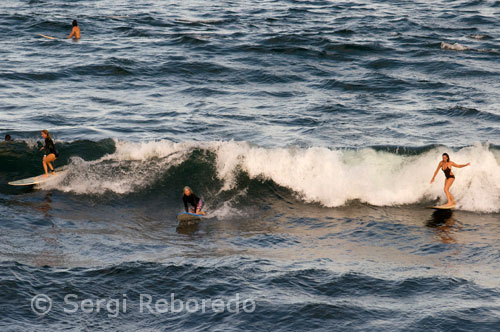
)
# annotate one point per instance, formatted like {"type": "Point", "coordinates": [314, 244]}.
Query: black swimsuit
{"type": "Point", "coordinates": [193, 200]}
{"type": "Point", "coordinates": [50, 147]}
{"type": "Point", "coordinates": [447, 172]}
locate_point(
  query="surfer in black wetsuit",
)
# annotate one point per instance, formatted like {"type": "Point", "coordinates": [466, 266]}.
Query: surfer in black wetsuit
{"type": "Point", "coordinates": [190, 198]}
{"type": "Point", "coordinates": [50, 152]}
{"type": "Point", "coordinates": [445, 166]}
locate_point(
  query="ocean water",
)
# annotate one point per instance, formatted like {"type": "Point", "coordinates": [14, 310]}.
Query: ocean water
{"type": "Point", "coordinates": [311, 129]}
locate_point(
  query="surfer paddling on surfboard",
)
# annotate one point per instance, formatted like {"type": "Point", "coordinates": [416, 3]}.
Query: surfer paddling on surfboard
{"type": "Point", "coordinates": [75, 33]}
{"type": "Point", "coordinates": [50, 153]}
{"type": "Point", "coordinates": [445, 166]}
{"type": "Point", "coordinates": [190, 198]}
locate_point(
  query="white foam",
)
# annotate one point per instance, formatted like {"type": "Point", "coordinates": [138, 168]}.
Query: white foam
{"type": "Point", "coordinates": [453, 47]}
{"type": "Point", "coordinates": [30, 142]}
{"type": "Point", "coordinates": [131, 167]}
{"type": "Point", "coordinates": [226, 210]}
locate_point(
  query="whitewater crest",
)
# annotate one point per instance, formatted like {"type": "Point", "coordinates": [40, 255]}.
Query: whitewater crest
{"type": "Point", "coordinates": [454, 47]}
{"type": "Point", "coordinates": [331, 177]}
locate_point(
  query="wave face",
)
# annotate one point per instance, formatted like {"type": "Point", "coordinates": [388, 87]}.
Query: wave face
{"type": "Point", "coordinates": [331, 177]}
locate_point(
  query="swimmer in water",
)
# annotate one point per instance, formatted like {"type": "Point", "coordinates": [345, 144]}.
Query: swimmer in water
{"type": "Point", "coordinates": [75, 33]}
{"type": "Point", "coordinates": [445, 166]}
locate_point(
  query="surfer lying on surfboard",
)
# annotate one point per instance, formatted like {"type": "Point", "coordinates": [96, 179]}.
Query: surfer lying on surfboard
{"type": "Point", "coordinates": [50, 152]}
{"type": "Point", "coordinates": [445, 166]}
{"type": "Point", "coordinates": [196, 203]}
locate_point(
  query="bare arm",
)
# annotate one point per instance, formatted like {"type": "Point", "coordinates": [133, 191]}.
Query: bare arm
{"type": "Point", "coordinates": [459, 166]}
{"type": "Point", "coordinates": [437, 170]}
{"type": "Point", "coordinates": [72, 33]}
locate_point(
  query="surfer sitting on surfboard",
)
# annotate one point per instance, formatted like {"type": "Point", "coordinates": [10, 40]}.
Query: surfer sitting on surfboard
{"type": "Point", "coordinates": [50, 152]}
{"type": "Point", "coordinates": [195, 202]}
{"type": "Point", "coordinates": [75, 33]}
{"type": "Point", "coordinates": [445, 166]}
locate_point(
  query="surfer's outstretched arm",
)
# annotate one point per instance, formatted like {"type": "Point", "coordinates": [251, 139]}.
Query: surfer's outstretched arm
{"type": "Point", "coordinates": [437, 170]}
{"type": "Point", "coordinates": [459, 166]}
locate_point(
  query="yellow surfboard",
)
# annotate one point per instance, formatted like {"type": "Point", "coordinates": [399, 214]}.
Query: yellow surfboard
{"type": "Point", "coordinates": [442, 207]}
{"type": "Point", "coordinates": [44, 36]}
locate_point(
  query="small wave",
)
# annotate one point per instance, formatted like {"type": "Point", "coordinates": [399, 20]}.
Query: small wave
{"type": "Point", "coordinates": [454, 47]}
{"type": "Point", "coordinates": [463, 111]}
{"type": "Point", "coordinates": [110, 69]}
{"type": "Point", "coordinates": [479, 36]}
{"type": "Point", "coordinates": [460, 47]}
{"type": "Point", "coordinates": [206, 22]}
{"type": "Point", "coordinates": [191, 39]}
{"type": "Point", "coordinates": [488, 50]}
{"type": "Point", "coordinates": [344, 32]}
{"type": "Point", "coordinates": [361, 48]}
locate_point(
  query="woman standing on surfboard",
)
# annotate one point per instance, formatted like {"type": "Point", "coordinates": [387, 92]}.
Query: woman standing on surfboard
{"type": "Point", "coordinates": [196, 202]}
{"type": "Point", "coordinates": [50, 152]}
{"type": "Point", "coordinates": [445, 166]}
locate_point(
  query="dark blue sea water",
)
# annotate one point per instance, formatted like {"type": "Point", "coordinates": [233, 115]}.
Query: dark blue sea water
{"type": "Point", "coordinates": [311, 129]}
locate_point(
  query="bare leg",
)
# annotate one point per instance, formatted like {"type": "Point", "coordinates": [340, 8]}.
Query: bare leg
{"type": "Point", "coordinates": [47, 160]}
{"type": "Point", "coordinates": [44, 162]}
{"type": "Point", "coordinates": [449, 196]}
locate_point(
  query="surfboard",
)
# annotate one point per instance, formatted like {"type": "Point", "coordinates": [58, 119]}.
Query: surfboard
{"type": "Point", "coordinates": [48, 37]}
{"type": "Point", "coordinates": [187, 217]}
{"type": "Point", "coordinates": [442, 207]}
{"type": "Point", "coordinates": [39, 179]}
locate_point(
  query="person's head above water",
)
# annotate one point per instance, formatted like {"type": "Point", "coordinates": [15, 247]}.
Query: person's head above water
{"type": "Point", "coordinates": [446, 157]}
{"type": "Point", "coordinates": [75, 23]}
{"type": "Point", "coordinates": [45, 134]}
{"type": "Point", "coordinates": [7, 138]}
{"type": "Point", "coordinates": [187, 191]}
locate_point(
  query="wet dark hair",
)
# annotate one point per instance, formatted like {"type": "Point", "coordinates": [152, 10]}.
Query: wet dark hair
{"type": "Point", "coordinates": [447, 156]}
{"type": "Point", "coordinates": [75, 23]}
{"type": "Point", "coordinates": [7, 137]}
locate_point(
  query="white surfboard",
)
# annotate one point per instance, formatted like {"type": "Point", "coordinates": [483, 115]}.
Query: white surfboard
{"type": "Point", "coordinates": [39, 179]}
